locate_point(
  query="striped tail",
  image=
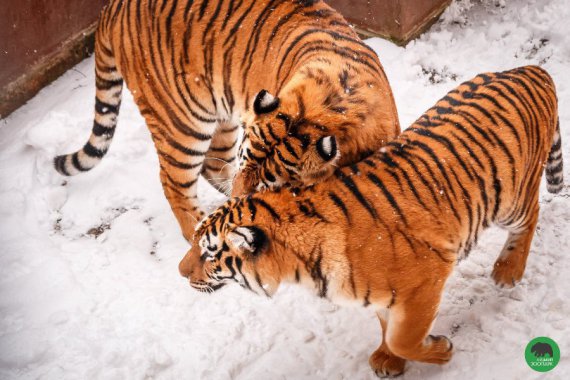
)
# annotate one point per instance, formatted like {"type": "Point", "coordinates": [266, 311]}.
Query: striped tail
{"type": "Point", "coordinates": [554, 176]}
{"type": "Point", "coordinates": [109, 84]}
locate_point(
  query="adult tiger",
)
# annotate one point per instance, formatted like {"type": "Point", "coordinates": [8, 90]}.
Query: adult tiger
{"type": "Point", "coordinates": [386, 232]}
{"type": "Point", "coordinates": [196, 67]}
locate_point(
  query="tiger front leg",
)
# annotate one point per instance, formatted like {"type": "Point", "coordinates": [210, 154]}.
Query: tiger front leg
{"type": "Point", "coordinates": [220, 162]}
{"type": "Point", "coordinates": [383, 362]}
{"type": "Point", "coordinates": [410, 320]}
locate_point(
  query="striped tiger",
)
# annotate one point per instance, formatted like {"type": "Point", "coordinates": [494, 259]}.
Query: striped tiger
{"type": "Point", "coordinates": [386, 232]}
{"type": "Point", "coordinates": [197, 68]}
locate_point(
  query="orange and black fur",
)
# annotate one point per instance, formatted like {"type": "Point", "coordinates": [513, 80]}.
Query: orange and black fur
{"type": "Point", "coordinates": [386, 232]}
{"type": "Point", "coordinates": [196, 68]}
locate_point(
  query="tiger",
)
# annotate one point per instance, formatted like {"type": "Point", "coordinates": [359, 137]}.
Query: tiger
{"type": "Point", "coordinates": [198, 69]}
{"type": "Point", "coordinates": [386, 232]}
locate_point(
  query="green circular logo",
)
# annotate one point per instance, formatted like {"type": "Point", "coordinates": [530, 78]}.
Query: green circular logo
{"type": "Point", "coordinates": [542, 354]}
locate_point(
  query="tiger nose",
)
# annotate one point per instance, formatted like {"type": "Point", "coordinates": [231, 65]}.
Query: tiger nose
{"type": "Point", "coordinates": [242, 184]}
{"type": "Point", "coordinates": [184, 267]}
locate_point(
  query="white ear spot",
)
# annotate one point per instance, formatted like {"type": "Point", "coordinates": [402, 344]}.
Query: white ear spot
{"type": "Point", "coordinates": [267, 100]}
{"type": "Point", "coordinates": [327, 145]}
{"type": "Point", "coordinates": [326, 148]}
{"type": "Point", "coordinates": [265, 103]}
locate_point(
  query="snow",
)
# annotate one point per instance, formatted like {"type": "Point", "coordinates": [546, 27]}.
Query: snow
{"type": "Point", "coordinates": [89, 286]}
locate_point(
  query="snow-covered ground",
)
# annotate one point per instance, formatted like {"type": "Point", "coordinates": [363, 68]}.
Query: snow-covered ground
{"type": "Point", "coordinates": [89, 286]}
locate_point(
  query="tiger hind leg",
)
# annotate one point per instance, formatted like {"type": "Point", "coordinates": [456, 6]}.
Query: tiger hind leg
{"type": "Point", "coordinates": [510, 265]}
{"type": "Point", "coordinates": [383, 362]}
{"type": "Point", "coordinates": [409, 325]}
{"type": "Point", "coordinates": [180, 167]}
{"type": "Point", "coordinates": [220, 163]}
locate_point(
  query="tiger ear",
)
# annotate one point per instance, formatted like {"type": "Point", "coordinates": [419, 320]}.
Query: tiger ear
{"type": "Point", "coordinates": [265, 103]}
{"type": "Point", "coordinates": [248, 240]}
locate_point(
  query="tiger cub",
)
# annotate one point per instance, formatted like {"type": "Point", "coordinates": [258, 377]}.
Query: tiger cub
{"type": "Point", "coordinates": [196, 68]}
{"type": "Point", "coordinates": [386, 232]}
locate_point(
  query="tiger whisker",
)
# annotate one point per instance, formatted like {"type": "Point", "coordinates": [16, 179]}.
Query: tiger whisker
{"type": "Point", "coordinates": [219, 159]}
{"type": "Point", "coordinates": [215, 158]}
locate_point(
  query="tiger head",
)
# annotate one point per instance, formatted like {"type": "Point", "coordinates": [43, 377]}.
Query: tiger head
{"type": "Point", "coordinates": [224, 253]}
{"type": "Point", "coordinates": [284, 143]}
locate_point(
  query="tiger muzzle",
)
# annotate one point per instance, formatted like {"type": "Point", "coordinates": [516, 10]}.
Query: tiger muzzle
{"type": "Point", "coordinates": [191, 266]}
{"type": "Point", "coordinates": [244, 182]}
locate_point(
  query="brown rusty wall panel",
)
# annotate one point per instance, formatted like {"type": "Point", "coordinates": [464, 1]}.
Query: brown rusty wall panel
{"type": "Point", "coordinates": [33, 31]}
{"type": "Point", "coordinates": [397, 20]}
{"type": "Point", "coordinates": [40, 39]}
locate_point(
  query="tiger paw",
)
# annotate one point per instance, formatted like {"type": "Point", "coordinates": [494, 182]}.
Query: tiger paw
{"type": "Point", "coordinates": [385, 364]}
{"type": "Point", "coordinates": [441, 349]}
{"type": "Point", "coordinates": [506, 274]}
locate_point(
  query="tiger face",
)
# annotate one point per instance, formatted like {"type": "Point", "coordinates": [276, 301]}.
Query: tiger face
{"type": "Point", "coordinates": [232, 254]}
{"type": "Point", "coordinates": [283, 146]}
